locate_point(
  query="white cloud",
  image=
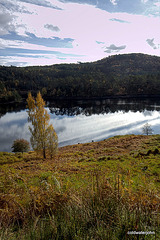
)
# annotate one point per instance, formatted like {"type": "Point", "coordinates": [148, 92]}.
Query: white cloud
{"type": "Point", "coordinates": [52, 28]}
{"type": "Point", "coordinates": [152, 44]}
{"type": "Point", "coordinates": [157, 4]}
{"type": "Point", "coordinates": [42, 3]}
{"type": "Point", "coordinates": [113, 48]}
{"type": "Point", "coordinates": [86, 24]}
{"type": "Point", "coordinates": [45, 59]}
{"type": "Point", "coordinates": [144, 1]}
{"type": "Point", "coordinates": [114, 2]}
{"type": "Point", "coordinates": [6, 23]}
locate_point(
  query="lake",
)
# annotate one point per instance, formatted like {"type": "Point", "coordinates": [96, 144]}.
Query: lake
{"type": "Point", "coordinates": [83, 121]}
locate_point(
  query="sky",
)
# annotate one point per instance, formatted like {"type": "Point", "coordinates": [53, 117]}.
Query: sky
{"type": "Point", "coordinates": [46, 32]}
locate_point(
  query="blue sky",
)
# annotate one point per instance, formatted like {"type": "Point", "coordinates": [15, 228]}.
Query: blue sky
{"type": "Point", "coordinates": [45, 32]}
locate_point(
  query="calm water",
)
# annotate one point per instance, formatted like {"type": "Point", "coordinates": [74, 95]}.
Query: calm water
{"type": "Point", "coordinates": [83, 121]}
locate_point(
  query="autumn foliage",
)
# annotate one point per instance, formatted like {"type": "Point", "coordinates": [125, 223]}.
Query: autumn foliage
{"type": "Point", "coordinates": [98, 190]}
{"type": "Point", "coordinates": [20, 145]}
{"type": "Point", "coordinates": [43, 135]}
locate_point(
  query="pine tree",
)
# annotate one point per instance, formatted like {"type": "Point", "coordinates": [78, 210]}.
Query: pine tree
{"type": "Point", "coordinates": [43, 135]}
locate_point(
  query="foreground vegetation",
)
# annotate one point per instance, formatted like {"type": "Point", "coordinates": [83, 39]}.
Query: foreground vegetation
{"type": "Point", "coordinates": [98, 190]}
{"type": "Point", "coordinates": [120, 75]}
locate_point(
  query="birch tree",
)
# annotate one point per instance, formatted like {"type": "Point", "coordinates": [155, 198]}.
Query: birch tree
{"type": "Point", "coordinates": [43, 135]}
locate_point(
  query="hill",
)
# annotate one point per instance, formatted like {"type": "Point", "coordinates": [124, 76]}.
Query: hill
{"type": "Point", "coordinates": [99, 190]}
{"type": "Point", "coordinates": [119, 75]}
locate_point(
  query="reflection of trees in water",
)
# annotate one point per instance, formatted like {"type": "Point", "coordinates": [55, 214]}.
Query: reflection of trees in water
{"type": "Point", "coordinates": [102, 106]}
{"type": "Point", "coordinates": [89, 107]}
{"type": "Point", "coordinates": [72, 111]}
{"type": "Point", "coordinates": [12, 107]}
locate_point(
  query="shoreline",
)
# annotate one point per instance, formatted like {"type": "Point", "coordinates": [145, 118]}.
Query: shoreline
{"type": "Point", "coordinates": [139, 97]}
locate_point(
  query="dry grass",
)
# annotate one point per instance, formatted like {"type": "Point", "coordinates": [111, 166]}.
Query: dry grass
{"type": "Point", "coordinates": [101, 189]}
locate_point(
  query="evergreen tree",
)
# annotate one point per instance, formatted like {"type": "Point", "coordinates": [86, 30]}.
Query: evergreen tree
{"type": "Point", "coordinates": [43, 135]}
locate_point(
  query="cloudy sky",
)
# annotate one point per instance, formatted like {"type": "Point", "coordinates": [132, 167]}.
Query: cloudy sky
{"type": "Point", "coordinates": [45, 32]}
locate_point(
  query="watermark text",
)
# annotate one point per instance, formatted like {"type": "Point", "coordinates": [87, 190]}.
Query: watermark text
{"type": "Point", "coordinates": [141, 232]}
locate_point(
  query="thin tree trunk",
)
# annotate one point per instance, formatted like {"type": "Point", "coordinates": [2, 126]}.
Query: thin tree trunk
{"type": "Point", "coordinates": [44, 153]}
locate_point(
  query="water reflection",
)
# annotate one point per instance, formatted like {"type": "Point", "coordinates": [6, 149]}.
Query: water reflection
{"type": "Point", "coordinates": [81, 122]}
{"type": "Point", "coordinates": [102, 106]}
{"type": "Point", "coordinates": [12, 126]}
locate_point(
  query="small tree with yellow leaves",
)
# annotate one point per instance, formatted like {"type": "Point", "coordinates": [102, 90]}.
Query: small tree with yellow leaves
{"type": "Point", "coordinates": [43, 135]}
{"type": "Point", "coordinates": [52, 145]}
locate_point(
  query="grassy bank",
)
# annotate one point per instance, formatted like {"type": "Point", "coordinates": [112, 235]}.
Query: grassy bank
{"type": "Point", "coordinates": [98, 190]}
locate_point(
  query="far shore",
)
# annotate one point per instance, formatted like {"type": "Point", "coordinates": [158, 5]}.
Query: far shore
{"type": "Point", "coordinates": [140, 97]}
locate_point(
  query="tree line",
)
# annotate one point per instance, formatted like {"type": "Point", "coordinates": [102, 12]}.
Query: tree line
{"type": "Point", "coordinates": [129, 74]}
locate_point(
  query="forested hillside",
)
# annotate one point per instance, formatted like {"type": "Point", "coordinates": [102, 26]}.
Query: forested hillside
{"type": "Point", "coordinates": [127, 75]}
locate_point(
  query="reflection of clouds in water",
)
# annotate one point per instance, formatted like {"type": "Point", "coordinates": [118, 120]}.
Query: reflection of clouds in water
{"type": "Point", "coordinates": [154, 121]}
{"type": "Point", "coordinates": [10, 133]}
{"type": "Point", "coordinates": [14, 117]}
{"type": "Point", "coordinates": [13, 126]}
{"type": "Point", "coordinates": [148, 113]}
{"type": "Point", "coordinates": [155, 124]}
{"type": "Point", "coordinates": [79, 128]}
{"type": "Point", "coordinates": [59, 128]}
{"type": "Point", "coordinates": [97, 127]}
